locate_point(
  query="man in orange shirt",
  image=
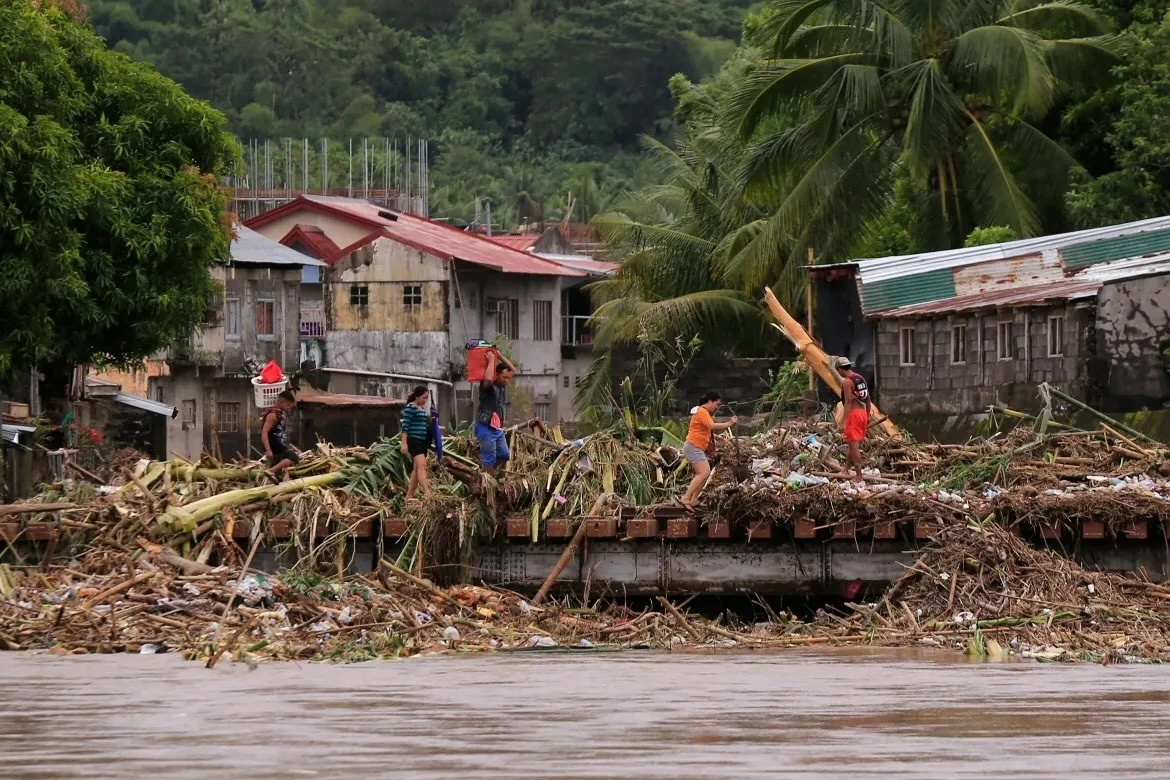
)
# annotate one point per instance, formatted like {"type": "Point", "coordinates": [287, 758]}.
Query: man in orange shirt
{"type": "Point", "coordinates": [698, 443]}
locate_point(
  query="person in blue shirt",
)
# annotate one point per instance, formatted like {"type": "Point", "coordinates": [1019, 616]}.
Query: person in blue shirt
{"type": "Point", "coordinates": [416, 440]}
{"type": "Point", "coordinates": [489, 423]}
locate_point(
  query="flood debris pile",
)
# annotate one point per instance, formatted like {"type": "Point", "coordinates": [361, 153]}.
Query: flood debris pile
{"type": "Point", "coordinates": [161, 555]}
{"type": "Point", "coordinates": [1020, 477]}
{"type": "Point", "coordinates": [981, 588]}
{"type": "Point", "coordinates": [105, 602]}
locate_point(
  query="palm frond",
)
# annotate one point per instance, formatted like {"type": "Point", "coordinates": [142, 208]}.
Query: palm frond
{"type": "Point", "coordinates": [1009, 61]}
{"type": "Point", "coordinates": [996, 195]}
{"type": "Point", "coordinates": [1065, 15]}
{"type": "Point", "coordinates": [780, 83]}
{"type": "Point", "coordinates": [1085, 62]}
{"type": "Point", "coordinates": [934, 122]}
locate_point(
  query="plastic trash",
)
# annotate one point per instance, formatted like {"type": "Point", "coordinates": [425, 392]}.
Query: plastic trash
{"type": "Point", "coordinates": [148, 650]}
{"type": "Point", "coordinates": [542, 641]}
{"type": "Point", "coordinates": [524, 608]}
{"type": "Point", "coordinates": [422, 617]}
{"type": "Point", "coordinates": [345, 618]}
{"type": "Point", "coordinates": [585, 643]}
{"type": "Point", "coordinates": [190, 589]}
{"type": "Point", "coordinates": [962, 618]}
{"type": "Point", "coordinates": [451, 634]}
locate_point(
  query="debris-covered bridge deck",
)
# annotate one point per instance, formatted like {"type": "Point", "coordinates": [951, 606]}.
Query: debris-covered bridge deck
{"type": "Point", "coordinates": [664, 550]}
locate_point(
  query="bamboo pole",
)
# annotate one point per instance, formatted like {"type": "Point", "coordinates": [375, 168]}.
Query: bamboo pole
{"type": "Point", "coordinates": [570, 550]}
{"type": "Point", "coordinates": [815, 357]}
{"type": "Point", "coordinates": [1116, 424]}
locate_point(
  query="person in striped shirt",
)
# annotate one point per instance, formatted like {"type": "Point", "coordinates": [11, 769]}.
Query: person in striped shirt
{"type": "Point", "coordinates": [416, 440]}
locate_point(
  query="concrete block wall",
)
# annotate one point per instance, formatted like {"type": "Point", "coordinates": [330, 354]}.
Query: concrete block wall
{"type": "Point", "coordinates": [935, 384]}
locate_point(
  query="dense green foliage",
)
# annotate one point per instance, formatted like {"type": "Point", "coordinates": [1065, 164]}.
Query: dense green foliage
{"type": "Point", "coordinates": [523, 99]}
{"type": "Point", "coordinates": [110, 212]}
{"type": "Point", "coordinates": [847, 127]}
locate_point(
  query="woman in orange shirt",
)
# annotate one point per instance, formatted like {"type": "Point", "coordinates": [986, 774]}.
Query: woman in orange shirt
{"type": "Point", "coordinates": [697, 443]}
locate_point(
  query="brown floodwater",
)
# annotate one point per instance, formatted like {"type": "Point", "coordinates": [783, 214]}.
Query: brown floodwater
{"type": "Point", "coordinates": [883, 714]}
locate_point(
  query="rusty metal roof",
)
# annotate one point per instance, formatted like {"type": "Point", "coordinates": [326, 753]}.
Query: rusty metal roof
{"type": "Point", "coordinates": [345, 401]}
{"type": "Point", "coordinates": [889, 283]}
{"type": "Point", "coordinates": [1030, 295]}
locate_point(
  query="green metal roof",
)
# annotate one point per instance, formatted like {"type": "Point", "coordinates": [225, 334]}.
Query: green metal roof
{"type": "Point", "coordinates": [1118, 248]}
{"type": "Point", "coordinates": [907, 290]}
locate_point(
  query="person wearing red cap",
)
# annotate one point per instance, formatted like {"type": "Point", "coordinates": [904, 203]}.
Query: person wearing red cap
{"type": "Point", "coordinates": [855, 422]}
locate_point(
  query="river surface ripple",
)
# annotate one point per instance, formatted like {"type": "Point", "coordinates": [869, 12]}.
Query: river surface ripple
{"type": "Point", "coordinates": [822, 715]}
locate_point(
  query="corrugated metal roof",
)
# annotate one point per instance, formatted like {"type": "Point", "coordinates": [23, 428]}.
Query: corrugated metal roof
{"type": "Point", "coordinates": [451, 243]}
{"type": "Point", "coordinates": [582, 263]}
{"type": "Point", "coordinates": [519, 243]}
{"type": "Point", "coordinates": [1105, 250]}
{"type": "Point", "coordinates": [252, 248]}
{"type": "Point", "coordinates": [343, 401]}
{"type": "Point", "coordinates": [1031, 295]}
{"type": "Point", "coordinates": [434, 238]}
{"type": "Point", "coordinates": [146, 405]}
{"type": "Point", "coordinates": [878, 269]}
{"type": "Point", "coordinates": [1128, 268]}
{"type": "Point", "coordinates": [908, 290]}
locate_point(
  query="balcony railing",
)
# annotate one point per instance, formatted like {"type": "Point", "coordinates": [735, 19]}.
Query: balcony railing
{"type": "Point", "coordinates": [312, 322]}
{"type": "Point", "coordinates": [576, 331]}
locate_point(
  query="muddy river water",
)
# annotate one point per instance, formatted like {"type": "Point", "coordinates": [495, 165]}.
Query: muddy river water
{"type": "Point", "coordinates": [903, 715]}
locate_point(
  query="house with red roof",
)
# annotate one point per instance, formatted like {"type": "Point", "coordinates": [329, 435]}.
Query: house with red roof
{"type": "Point", "coordinates": [402, 295]}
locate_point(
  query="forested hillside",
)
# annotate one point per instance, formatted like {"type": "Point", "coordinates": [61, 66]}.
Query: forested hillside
{"type": "Point", "coordinates": [521, 98]}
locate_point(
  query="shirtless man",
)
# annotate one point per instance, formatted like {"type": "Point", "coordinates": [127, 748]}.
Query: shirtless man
{"type": "Point", "coordinates": [855, 422]}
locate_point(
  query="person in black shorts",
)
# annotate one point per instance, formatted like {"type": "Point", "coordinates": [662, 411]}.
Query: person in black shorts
{"type": "Point", "coordinates": [416, 440]}
{"type": "Point", "coordinates": [279, 453]}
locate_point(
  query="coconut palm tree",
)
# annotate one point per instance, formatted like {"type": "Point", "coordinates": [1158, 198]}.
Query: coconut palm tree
{"type": "Point", "coordinates": [947, 92]}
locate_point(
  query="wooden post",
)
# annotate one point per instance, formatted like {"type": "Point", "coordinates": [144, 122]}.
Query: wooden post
{"type": "Point", "coordinates": [570, 549]}
{"type": "Point", "coordinates": [808, 306]}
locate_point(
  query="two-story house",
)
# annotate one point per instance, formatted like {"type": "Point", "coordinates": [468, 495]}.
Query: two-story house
{"type": "Point", "coordinates": [255, 319]}
{"type": "Point", "coordinates": [403, 295]}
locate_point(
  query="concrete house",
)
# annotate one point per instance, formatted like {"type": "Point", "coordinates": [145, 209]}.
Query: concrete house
{"type": "Point", "coordinates": [951, 333]}
{"type": "Point", "coordinates": [257, 318]}
{"type": "Point", "coordinates": [403, 295]}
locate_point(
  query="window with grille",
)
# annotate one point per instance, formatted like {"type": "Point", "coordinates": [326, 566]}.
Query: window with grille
{"type": "Point", "coordinates": [542, 321]}
{"type": "Point", "coordinates": [565, 379]}
{"type": "Point", "coordinates": [1004, 346]}
{"type": "Point", "coordinates": [508, 317]}
{"type": "Point", "coordinates": [542, 410]}
{"type": "Point", "coordinates": [231, 318]}
{"type": "Point", "coordinates": [265, 319]}
{"type": "Point", "coordinates": [227, 417]}
{"type": "Point", "coordinates": [1056, 336]}
{"type": "Point", "coordinates": [359, 295]}
{"type": "Point", "coordinates": [412, 297]}
{"type": "Point", "coordinates": [959, 344]}
{"type": "Point", "coordinates": [906, 350]}
{"type": "Point", "coordinates": [188, 413]}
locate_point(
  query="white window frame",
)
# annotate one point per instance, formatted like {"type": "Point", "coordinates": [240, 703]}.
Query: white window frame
{"type": "Point", "coordinates": [1000, 327]}
{"type": "Point", "coordinates": [412, 297]}
{"type": "Point", "coordinates": [959, 344]}
{"type": "Point", "coordinates": [275, 325]}
{"type": "Point", "coordinates": [1059, 351]}
{"type": "Point", "coordinates": [232, 306]}
{"type": "Point", "coordinates": [907, 335]}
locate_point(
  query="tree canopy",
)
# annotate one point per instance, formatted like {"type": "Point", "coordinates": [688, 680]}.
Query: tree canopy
{"type": "Point", "coordinates": [533, 97]}
{"type": "Point", "coordinates": [110, 209]}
